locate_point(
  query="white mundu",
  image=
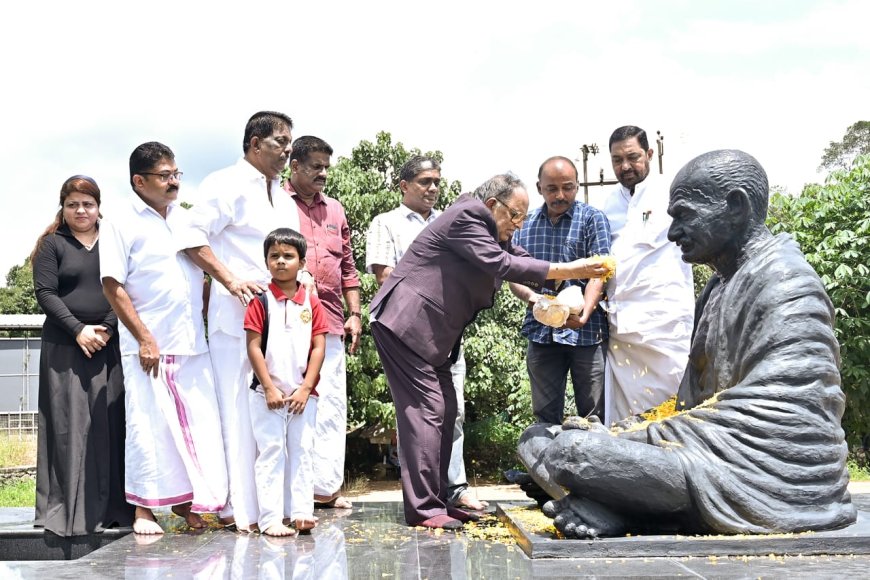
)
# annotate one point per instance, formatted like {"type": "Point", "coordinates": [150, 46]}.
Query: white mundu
{"type": "Point", "coordinates": [285, 441]}
{"type": "Point", "coordinates": [173, 444]}
{"type": "Point", "coordinates": [232, 214]}
{"type": "Point", "coordinates": [650, 303]}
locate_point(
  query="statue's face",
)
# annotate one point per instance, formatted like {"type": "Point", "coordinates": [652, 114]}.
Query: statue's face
{"type": "Point", "coordinates": [701, 226]}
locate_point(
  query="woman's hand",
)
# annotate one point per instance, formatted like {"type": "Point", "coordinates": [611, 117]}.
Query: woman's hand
{"type": "Point", "coordinates": [92, 338]}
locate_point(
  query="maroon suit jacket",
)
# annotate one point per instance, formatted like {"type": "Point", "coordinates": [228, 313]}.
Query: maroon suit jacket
{"type": "Point", "coordinates": [450, 272]}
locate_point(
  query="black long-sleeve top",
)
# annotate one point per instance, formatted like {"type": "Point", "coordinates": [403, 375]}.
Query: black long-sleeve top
{"type": "Point", "coordinates": [66, 279]}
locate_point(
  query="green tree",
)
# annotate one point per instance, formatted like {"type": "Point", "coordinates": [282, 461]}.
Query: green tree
{"type": "Point", "coordinates": [366, 184]}
{"type": "Point", "coordinates": [831, 222]}
{"type": "Point", "coordinates": [856, 141]}
{"type": "Point", "coordinates": [18, 297]}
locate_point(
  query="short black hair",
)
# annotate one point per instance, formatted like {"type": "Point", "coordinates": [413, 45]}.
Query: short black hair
{"type": "Point", "coordinates": [417, 165]}
{"type": "Point", "coordinates": [146, 156]}
{"type": "Point", "coordinates": [262, 125]}
{"type": "Point", "coordinates": [305, 146]}
{"type": "Point", "coordinates": [627, 132]}
{"type": "Point", "coordinates": [285, 236]}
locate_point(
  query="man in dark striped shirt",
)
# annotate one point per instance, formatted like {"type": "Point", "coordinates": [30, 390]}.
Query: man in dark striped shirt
{"type": "Point", "coordinates": [562, 230]}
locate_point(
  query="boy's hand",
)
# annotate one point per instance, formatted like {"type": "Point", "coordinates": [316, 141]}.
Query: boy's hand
{"type": "Point", "coordinates": [274, 398]}
{"type": "Point", "coordinates": [297, 401]}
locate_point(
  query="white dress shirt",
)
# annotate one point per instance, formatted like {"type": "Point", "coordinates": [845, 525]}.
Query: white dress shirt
{"type": "Point", "coordinates": [143, 252]}
{"type": "Point", "coordinates": [232, 214]}
{"type": "Point", "coordinates": [652, 287]}
{"type": "Point", "coordinates": [391, 233]}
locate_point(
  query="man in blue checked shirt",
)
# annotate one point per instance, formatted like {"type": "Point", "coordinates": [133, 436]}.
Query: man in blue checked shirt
{"type": "Point", "coordinates": [562, 230]}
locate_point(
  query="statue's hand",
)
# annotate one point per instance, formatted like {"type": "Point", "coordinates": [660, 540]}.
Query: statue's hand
{"type": "Point", "coordinates": [584, 424]}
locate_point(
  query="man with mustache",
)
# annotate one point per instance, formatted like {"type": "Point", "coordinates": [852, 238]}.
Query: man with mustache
{"type": "Point", "coordinates": [236, 207]}
{"type": "Point", "coordinates": [563, 230]}
{"type": "Point", "coordinates": [650, 300]}
{"type": "Point", "coordinates": [388, 239]}
{"type": "Point", "coordinates": [174, 452]}
{"type": "Point", "coordinates": [330, 260]}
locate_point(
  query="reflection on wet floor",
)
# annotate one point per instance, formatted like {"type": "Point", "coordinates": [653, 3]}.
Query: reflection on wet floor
{"type": "Point", "coordinates": [372, 542]}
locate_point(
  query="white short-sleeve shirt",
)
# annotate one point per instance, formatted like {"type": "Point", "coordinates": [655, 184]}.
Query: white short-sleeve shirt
{"type": "Point", "coordinates": [391, 233]}
{"type": "Point", "coordinates": [143, 252]}
{"type": "Point", "coordinates": [233, 215]}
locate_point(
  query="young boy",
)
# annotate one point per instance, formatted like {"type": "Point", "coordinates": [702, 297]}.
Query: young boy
{"type": "Point", "coordinates": [283, 406]}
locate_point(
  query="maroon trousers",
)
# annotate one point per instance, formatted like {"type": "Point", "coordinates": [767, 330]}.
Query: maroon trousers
{"type": "Point", "coordinates": [425, 414]}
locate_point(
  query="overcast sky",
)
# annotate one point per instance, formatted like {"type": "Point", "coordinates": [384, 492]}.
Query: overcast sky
{"type": "Point", "coordinates": [495, 86]}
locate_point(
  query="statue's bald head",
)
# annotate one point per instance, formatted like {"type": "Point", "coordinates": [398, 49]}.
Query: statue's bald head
{"type": "Point", "coordinates": [716, 173]}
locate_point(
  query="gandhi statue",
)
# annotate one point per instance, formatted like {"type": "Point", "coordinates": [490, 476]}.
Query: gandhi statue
{"type": "Point", "coordinates": [756, 446]}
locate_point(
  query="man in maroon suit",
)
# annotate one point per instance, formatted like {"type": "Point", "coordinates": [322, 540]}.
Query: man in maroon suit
{"type": "Point", "coordinates": [450, 272]}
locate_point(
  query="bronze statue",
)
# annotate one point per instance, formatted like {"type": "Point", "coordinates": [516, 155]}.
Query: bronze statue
{"type": "Point", "coordinates": [756, 445]}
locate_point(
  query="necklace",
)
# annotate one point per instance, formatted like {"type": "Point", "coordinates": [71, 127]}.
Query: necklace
{"type": "Point", "coordinates": [93, 243]}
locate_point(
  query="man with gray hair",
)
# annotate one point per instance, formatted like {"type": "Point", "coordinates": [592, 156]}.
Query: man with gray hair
{"type": "Point", "coordinates": [388, 239]}
{"type": "Point", "coordinates": [450, 272]}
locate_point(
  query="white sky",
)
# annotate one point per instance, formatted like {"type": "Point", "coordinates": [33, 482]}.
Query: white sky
{"type": "Point", "coordinates": [493, 85]}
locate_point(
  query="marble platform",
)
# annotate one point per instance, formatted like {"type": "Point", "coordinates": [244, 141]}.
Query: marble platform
{"type": "Point", "coordinates": [371, 541]}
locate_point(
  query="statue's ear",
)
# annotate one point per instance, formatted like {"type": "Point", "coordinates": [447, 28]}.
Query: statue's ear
{"type": "Point", "coordinates": [739, 208]}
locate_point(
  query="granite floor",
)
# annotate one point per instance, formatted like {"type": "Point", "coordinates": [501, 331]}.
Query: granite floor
{"type": "Point", "coordinates": [371, 541]}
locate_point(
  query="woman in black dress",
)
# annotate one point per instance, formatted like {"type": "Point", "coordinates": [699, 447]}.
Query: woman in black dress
{"type": "Point", "coordinates": [80, 465]}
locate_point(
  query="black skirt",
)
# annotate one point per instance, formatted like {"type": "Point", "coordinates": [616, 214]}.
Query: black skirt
{"type": "Point", "coordinates": [80, 464]}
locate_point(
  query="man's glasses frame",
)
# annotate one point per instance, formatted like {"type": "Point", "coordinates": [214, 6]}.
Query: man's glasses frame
{"type": "Point", "coordinates": [517, 217]}
{"type": "Point", "coordinates": [165, 177]}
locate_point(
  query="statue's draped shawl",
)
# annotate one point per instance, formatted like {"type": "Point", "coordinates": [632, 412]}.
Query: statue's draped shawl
{"type": "Point", "coordinates": [766, 453]}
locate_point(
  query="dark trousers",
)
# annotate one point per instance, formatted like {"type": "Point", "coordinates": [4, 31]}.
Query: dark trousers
{"type": "Point", "coordinates": [549, 365]}
{"type": "Point", "coordinates": [425, 414]}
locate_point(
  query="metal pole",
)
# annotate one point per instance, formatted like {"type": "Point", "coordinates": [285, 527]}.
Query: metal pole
{"type": "Point", "coordinates": [660, 141]}
{"type": "Point", "coordinates": [585, 179]}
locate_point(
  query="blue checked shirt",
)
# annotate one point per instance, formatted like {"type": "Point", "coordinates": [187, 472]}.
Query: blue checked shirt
{"type": "Point", "coordinates": [581, 232]}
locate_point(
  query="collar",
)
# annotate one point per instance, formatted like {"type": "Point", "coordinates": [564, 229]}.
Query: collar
{"type": "Point", "coordinates": [250, 172]}
{"type": "Point", "coordinates": [298, 298]}
{"type": "Point", "coordinates": [318, 197]}
{"type": "Point", "coordinates": [407, 212]}
{"type": "Point", "coordinates": [140, 206]}
{"type": "Point", "coordinates": [639, 189]}
{"type": "Point", "coordinates": [541, 213]}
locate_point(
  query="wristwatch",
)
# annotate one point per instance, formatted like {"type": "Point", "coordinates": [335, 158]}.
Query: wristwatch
{"type": "Point", "coordinates": [357, 314]}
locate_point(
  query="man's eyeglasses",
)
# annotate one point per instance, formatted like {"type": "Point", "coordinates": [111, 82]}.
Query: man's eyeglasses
{"type": "Point", "coordinates": [517, 217]}
{"type": "Point", "coordinates": [164, 177]}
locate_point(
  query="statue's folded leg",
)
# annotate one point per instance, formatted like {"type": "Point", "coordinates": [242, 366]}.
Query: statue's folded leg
{"type": "Point", "coordinates": [532, 448]}
{"type": "Point", "coordinates": [625, 476]}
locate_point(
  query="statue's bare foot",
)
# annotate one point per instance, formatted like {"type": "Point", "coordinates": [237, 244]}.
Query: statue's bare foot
{"type": "Point", "coordinates": [579, 517]}
{"type": "Point", "coordinates": [144, 522]}
{"type": "Point", "coordinates": [592, 423]}
{"type": "Point", "coordinates": [191, 519]}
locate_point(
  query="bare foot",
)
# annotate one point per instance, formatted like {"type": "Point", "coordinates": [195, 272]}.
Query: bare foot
{"type": "Point", "coordinates": [334, 502]}
{"type": "Point", "coordinates": [305, 525]}
{"type": "Point", "coordinates": [191, 519]}
{"type": "Point", "coordinates": [579, 517]}
{"type": "Point", "coordinates": [144, 522]}
{"type": "Point", "coordinates": [279, 530]}
{"type": "Point", "coordinates": [227, 521]}
{"type": "Point", "coordinates": [468, 501]}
